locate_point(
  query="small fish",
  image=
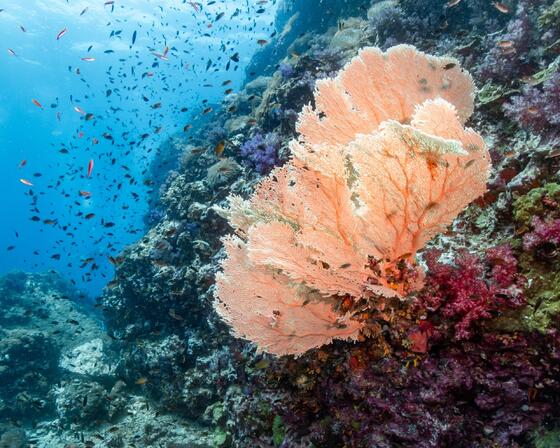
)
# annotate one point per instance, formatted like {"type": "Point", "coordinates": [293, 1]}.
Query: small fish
{"type": "Point", "coordinates": [452, 3]}
{"type": "Point", "coordinates": [262, 364]}
{"type": "Point", "coordinates": [26, 182]}
{"type": "Point", "coordinates": [207, 111]}
{"type": "Point", "coordinates": [79, 110]}
{"type": "Point", "coordinates": [219, 148]}
{"type": "Point", "coordinates": [501, 7]}
{"type": "Point", "coordinates": [90, 168]}
{"type": "Point", "coordinates": [505, 44]}
{"type": "Point", "coordinates": [141, 381]}
{"type": "Point", "coordinates": [134, 37]}
{"type": "Point", "coordinates": [85, 194]}
{"type": "Point", "coordinates": [37, 103]}
{"type": "Point", "coordinates": [61, 33]}
{"type": "Point", "coordinates": [23, 29]}
{"type": "Point", "coordinates": [84, 10]}
{"type": "Point", "coordinates": [195, 6]}
{"type": "Point", "coordinates": [11, 52]}
{"type": "Point", "coordinates": [88, 59]}
{"type": "Point", "coordinates": [90, 216]}
{"type": "Point", "coordinates": [449, 66]}
{"type": "Point", "coordinates": [22, 163]}
{"type": "Point", "coordinates": [160, 56]}
{"type": "Point", "coordinates": [109, 2]}
{"type": "Point", "coordinates": [262, 42]}
{"type": "Point", "coordinates": [553, 154]}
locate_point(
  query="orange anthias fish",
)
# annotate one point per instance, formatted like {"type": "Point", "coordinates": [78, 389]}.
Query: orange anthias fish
{"type": "Point", "coordinates": [84, 193]}
{"type": "Point", "coordinates": [22, 163]}
{"type": "Point", "coordinates": [26, 182]}
{"type": "Point", "coordinates": [90, 168]}
{"type": "Point", "coordinates": [88, 59]}
{"type": "Point", "coordinates": [37, 103]}
{"type": "Point", "coordinates": [501, 7]}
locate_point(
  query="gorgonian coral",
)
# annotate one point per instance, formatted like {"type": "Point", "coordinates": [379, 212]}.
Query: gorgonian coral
{"type": "Point", "coordinates": [382, 164]}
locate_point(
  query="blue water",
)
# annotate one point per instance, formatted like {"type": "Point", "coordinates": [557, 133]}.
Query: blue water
{"type": "Point", "coordinates": [57, 140]}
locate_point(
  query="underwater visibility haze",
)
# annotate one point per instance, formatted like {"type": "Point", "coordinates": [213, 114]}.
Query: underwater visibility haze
{"type": "Point", "coordinates": [280, 224]}
{"type": "Point", "coordinates": [108, 82]}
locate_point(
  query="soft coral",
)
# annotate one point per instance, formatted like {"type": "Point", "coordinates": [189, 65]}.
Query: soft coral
{"type": "Point", "coordinates": [473, 289]}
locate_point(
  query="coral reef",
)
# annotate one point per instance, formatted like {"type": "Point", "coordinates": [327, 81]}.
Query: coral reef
{"type": "Point", "coordinates": [467, 357]}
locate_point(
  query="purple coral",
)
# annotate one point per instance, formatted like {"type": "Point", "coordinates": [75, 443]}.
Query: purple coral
{"type": "Point", "coordinates": [286, 70]}
{"type": "Point", "coordinates": [261, 152]}
{"type": "Point", "coordinates": [488, 392]}
{"type": "Point", "coordinates": [510, 51]}
{"type": "Point", "coordinates": [537, 109]}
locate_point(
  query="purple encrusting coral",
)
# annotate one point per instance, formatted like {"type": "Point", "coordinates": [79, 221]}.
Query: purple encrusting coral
{"type": "Point", "coordinates": [537, 109]}
{"type": "Point", "coordinates": [467, 394]}
{"type": "Point", "coordinates": [261, 152]}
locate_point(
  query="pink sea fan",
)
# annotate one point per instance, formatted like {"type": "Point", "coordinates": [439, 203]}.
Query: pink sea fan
{"type": "Point", "coordinates": [381, 166]}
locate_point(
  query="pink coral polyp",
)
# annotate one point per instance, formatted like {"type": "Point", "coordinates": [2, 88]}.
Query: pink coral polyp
{"type": "Point", "coordinates": [381, 166]}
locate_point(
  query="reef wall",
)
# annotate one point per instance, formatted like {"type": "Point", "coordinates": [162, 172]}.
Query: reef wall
{"type": "Point", "coordinates": [474, 358]}
{"type": "Point", "coordinates": [481, 370]}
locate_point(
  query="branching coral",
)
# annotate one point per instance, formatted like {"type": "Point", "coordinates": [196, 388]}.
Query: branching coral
{"type": "Point", "coordinates": [382, 164]}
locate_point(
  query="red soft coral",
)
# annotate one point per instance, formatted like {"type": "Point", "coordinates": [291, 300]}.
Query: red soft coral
{"type": "Point", "coordinates": [473, 289]}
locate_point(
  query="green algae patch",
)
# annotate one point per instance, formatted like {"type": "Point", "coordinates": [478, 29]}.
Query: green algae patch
{"type": "Point", "coordinates": [542, 293]}
{"type": "Point", "coordinates": [278, 430]}
{"type": "Point", "coordinates": [550, 17]}
{"type": "Point", "coordinates": [492, 92]}
{"type": "Point", "coordinates": [547, 439]}
{"type": "Point", "coordinates": [531, 204]}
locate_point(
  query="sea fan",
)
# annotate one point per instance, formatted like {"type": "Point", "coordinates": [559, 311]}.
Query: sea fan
{"type": "Point", "coordinates": [382, 164]}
